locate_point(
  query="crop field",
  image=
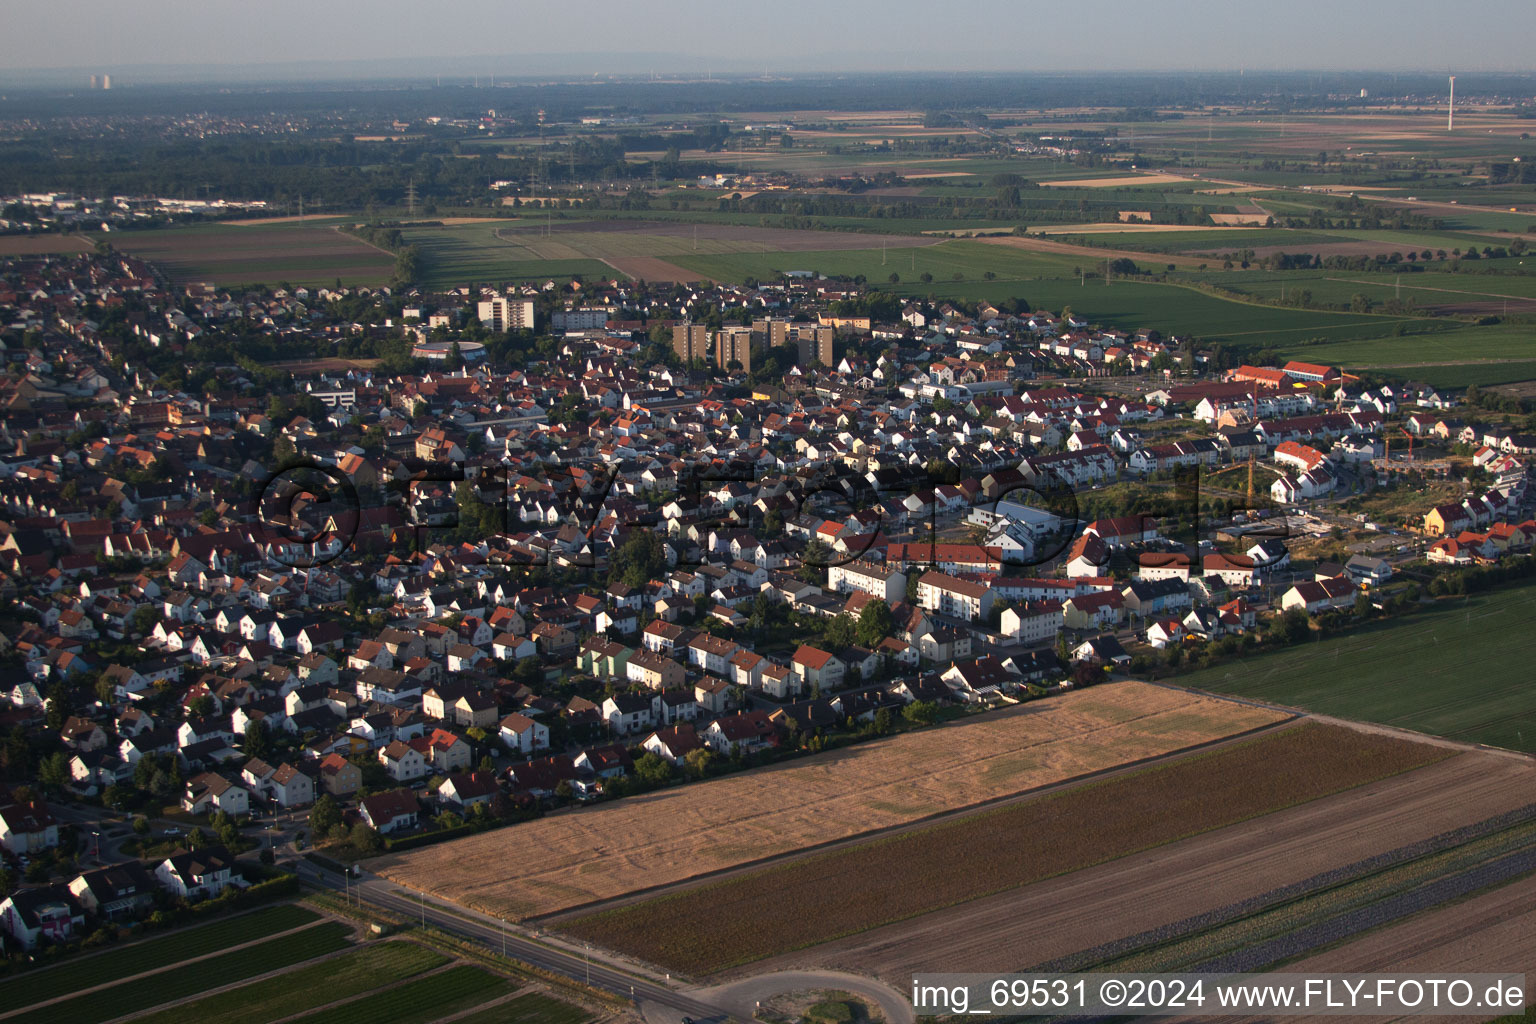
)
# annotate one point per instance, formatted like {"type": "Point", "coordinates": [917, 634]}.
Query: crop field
{"type": "Point", "coordinates": [1082, 916]}
{"type": "Point", "coordinates": [151, 990]}
{"type": "Point", "coordinates": [528, 1008]}
{"type": "Point", "coordinates": [526, 249]}
{"type": "Point", "coordinates": [437, 995]}
{"type": "Point", "coordinates": [1461, 669]}
{"type": "Point", "coordinates": [302, 253]}
{"type": "Point", "coordinates": [1479, 294]}
{"type": "Point", "coordinates": [1430, 342]}
{"type": "Point", "coordinates": [42, 245]}
{"type": "Point", "coordinates": [707, 928]}
{"type": "Point", "coordinates": [73, 975]}
{"type": "Point", "coordinates": [381, 982]}
{"type": "Point", "coordinates": [569, 860]}
{"type": "Point", "coordinates": [305, 988]}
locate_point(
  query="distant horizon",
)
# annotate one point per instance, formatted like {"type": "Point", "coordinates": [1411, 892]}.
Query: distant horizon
{"type": "Point", "coordinates": [493, 71]}
{"type": "Point", "coordinates": [176, 40]}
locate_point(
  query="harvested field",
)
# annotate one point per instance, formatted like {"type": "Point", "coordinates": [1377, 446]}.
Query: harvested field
{"type": "Point", "coordinates": [649, 268]}
{"type": "Point", "coordinates": [1127, 181]}
{"type": "Point", "coordinates": [569, 860]}
{"type": "Point", "coordinates": [43, 245]}
{"type": "Point", "coordinates": [711, 927]}
{"type": "Point", "coordinates": [308, 254]}
{"type": "Point", "coordinates": [1078, 911]}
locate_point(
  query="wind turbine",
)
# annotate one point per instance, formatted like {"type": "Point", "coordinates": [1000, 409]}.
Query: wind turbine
{"type": "Point", "coordinates": [1450, 107]}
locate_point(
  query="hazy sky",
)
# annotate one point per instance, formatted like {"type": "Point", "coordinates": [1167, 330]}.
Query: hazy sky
{"type": "Point", "coordinates": [586, 37]}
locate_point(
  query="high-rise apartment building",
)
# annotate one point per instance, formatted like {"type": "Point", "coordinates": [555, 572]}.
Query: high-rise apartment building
{"type": "Point", "coordinates": [690, 342]}
{"type": "Point", "coordinates": [504, 314]}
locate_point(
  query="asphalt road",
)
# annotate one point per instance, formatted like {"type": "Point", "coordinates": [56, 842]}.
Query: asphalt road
{"type": "Point", "coordinates": [490, 934]}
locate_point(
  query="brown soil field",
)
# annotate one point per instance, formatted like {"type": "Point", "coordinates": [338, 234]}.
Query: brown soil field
{"type": "Point", "coordinates": [1034, 243]}
{"type": "Point", "coordinates": [242, 255]}
{"type": "Point", "coordinates": [43, 245]}
{"type": "Point", "coordinates": [572, 859]}
{"type": "Point", "coordinates": [650, 268]}
{"type": "Point", "coordinates": [711, 927]}
{"type": "Point", "coordinates": [1128, 181]}
{"type": "Point", "coordinates": [1084, 909]}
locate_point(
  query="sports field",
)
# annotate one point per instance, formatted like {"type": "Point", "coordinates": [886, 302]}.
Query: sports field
{"type": "Point", "coordinates": [1461, 670]}
{"type": "Point", "coordinates": [568, 860]}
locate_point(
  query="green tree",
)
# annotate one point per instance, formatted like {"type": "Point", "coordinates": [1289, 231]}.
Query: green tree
{"type": "Point", "coordinates": [324, 816]}
{"type": "Point", "coordinates": [257, 743]}
{"type": "Point", "coordinates": [653, 769]}
{"type": "Point", "coordinates": [365, 840]}
{"type": "Point", "coordinates": [874, 623]}
{"type": "Point", "coordinates": [53, 771]}
{"type": "Point", "coordinates": [921, 712]}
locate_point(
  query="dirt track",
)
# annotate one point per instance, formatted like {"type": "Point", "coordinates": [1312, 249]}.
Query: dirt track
{"type": "Point", "coordinates": [1086, 908]}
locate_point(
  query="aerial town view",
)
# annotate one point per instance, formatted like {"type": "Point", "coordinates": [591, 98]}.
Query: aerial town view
{"type": "Point", "coordinates": [690, 515]}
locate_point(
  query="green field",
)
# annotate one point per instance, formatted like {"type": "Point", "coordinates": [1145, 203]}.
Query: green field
{"type": "Point", "coordinates": [302, 253]}
{"type": "Point", "coordinates": [1461, 670]}
{"type": "Point", "coordinates": [86, 971]}
{"type": "Point", "coordinates": [305, 988]}
{"type": "Point", "coordinates": [145, 992]}
{"type": "Point", "coordinates": [529, 1008]}
{"type": "Point", "coordinates": [438, 995]}
{"type": "Point", "coordinates": [471, 253]}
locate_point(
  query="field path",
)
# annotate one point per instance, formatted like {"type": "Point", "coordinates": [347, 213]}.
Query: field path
{"type": "Point", "coordinates": [178, 965]}
{"type": "Point", "coordinates": [1064, 915]}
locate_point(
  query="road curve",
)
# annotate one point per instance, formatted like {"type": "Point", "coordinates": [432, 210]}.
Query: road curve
{"type": "Point", "coordinates": [742, 997]}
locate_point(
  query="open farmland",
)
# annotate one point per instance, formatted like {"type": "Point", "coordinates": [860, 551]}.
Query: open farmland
{"type": "Point", "coordinates": [378, 982]}
{"type": "Point", "coordinates": [42, 245]}
{"type": "Point", "coordinates": [144, 991]}
{"type": "Point", "coordinates": [569, 860]}
{"type": "Point", "coordinates": [527, 248]}
{"type": "Point", "coordinates": [310, 253]}
{"type": "Point", "coordinates": [1412, 673]}
{"type": "Point", "coordinates": [1066, 916]}
{"type": "Point", "coordinates": [710, 927]}
{"type": "Point", "coordinates": [150, 954]}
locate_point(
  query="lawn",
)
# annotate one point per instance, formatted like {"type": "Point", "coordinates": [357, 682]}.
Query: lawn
{"type": "Point", "coordinates": [712, 927]}
{"type": "Point", "coordinates": [143, 993]}
{"type": "Point", "coordinates": [1461, 670]}
{"type": "Point", "coordinates": [305, 988]}
{"type": "Point", "coordinates": [425, 999]}
{"type": "Point", "coordinates": [83, 972]}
